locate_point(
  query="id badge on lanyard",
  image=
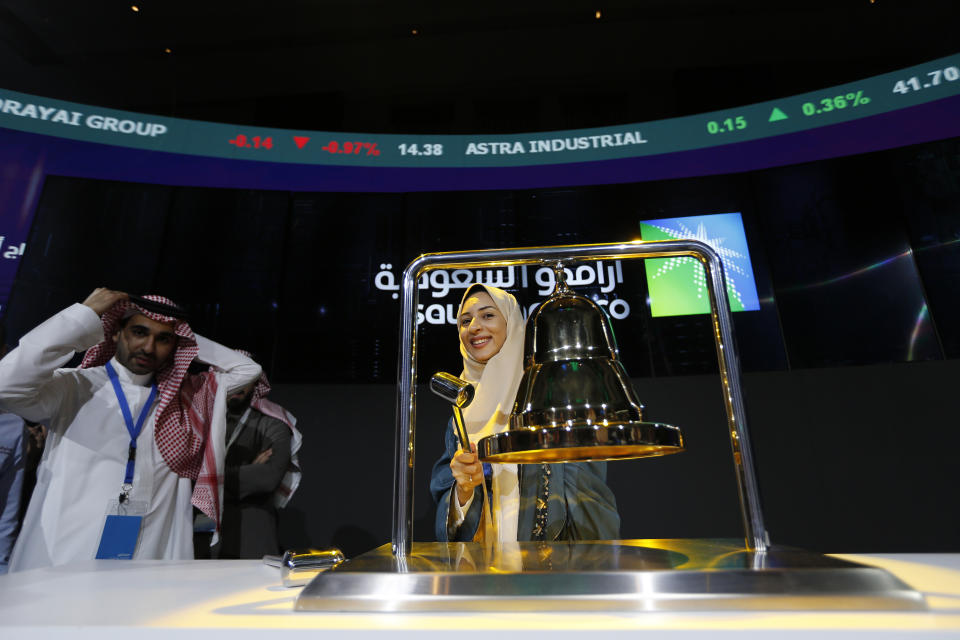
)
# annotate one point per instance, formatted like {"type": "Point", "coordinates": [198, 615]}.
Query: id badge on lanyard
{"type": "Point", "coordinates": [124, 517]}
{"type": "Point", "coordinates": [121, 529]}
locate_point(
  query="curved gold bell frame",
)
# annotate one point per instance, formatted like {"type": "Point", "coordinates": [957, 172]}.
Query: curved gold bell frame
{"type": "Point", "coordinates": [575, 400]}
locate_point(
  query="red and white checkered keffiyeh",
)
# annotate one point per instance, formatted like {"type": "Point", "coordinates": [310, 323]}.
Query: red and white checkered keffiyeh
{"type": "Point", "coordinates": [185, 407]}
{"type": "Point", "coordinates": [291, 478]}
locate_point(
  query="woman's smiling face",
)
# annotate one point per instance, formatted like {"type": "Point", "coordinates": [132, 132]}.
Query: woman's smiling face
{"type": "Point", "coordinates": [483, 329]}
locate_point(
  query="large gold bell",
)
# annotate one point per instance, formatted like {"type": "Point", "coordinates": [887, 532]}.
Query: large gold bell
{"type": "Point", "coordinates": [575, 400]}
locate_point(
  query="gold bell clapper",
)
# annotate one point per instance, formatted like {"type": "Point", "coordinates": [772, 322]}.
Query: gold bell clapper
{"type": "Point", "coordinates": [575, 400]}
{"type": "Point", "coordinates": [460, 394]}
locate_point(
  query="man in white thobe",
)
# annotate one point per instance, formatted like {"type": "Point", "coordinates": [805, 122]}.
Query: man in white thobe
{"type": "Point", "coordinates": [83, 476]}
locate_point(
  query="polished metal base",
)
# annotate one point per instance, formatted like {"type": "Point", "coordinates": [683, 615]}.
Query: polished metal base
{"type": "Point", "coordinates": [622, 575]}
{"type": "Point", "coordinates": [594, 442]}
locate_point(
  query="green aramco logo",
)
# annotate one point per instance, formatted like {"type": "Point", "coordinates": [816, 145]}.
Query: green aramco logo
{"type": "Point", "coordinates": [678, 285]}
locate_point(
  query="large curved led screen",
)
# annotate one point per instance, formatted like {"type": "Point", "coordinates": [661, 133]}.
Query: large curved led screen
{"type": "Point", "coordinates": [836, 213]}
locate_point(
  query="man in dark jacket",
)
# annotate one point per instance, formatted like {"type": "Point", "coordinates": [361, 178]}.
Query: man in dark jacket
{"type": "Point", "coordinates": [260, 474]}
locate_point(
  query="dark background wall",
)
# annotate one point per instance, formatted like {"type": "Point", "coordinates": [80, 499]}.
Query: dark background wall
{"type": "Point", "coordinates": [854, 459]}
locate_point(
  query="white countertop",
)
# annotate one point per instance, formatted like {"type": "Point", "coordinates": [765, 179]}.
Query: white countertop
{"type": "Point", "coordinates": [107, 599]}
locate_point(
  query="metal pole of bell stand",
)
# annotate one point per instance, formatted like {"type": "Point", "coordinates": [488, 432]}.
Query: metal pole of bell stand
{"type": "Point", "coordinates": [755, 533]}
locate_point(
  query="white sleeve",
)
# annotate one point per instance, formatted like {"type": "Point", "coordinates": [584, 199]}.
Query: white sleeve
{"type": "Point", "coordinates": [28, 383]}
{"type": "Point", "coordinates": [458, 513]}
{"type": "Point", "coordinates": [233, 369]}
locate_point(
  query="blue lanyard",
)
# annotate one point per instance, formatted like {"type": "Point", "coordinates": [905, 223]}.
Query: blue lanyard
{"type": "Point", "coordinates": [132, 429]}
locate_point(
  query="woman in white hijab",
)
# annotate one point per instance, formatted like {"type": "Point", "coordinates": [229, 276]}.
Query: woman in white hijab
{"type": "Point", "coordinates": [527, 502]}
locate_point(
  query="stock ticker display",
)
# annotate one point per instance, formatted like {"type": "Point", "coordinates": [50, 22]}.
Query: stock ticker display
{"type": "Point", "coordinates": [872, 96]}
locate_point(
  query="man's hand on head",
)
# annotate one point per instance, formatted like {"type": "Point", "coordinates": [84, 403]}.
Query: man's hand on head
{"type": "Point", "coordinates": [102, 299]}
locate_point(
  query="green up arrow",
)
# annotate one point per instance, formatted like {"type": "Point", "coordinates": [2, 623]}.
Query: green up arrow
{"type": "Point", "coordinates": [776, 114]}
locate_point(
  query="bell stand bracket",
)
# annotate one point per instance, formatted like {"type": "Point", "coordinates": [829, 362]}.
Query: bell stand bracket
{"type": "Point", "coordinates": [605, 575]}
{"type": "Point", "coordinates": [754, 530]}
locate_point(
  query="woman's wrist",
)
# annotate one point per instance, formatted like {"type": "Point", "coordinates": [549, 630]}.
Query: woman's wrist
{"type": "Point", "coordinates": [463, 495]}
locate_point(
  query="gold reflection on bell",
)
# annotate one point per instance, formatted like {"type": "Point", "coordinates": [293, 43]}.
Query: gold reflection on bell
{"type": "Point", "coordinates": [575, 400]}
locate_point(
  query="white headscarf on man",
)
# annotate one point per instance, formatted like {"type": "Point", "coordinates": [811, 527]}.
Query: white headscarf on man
{"type": "Point", "coordinates": [496, 383]}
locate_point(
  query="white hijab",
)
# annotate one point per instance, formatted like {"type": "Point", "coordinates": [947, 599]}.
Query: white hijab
{"type": "Point", "coordinates": [496, 382]}
{"type": "Point", "coordinates": [497, 379]}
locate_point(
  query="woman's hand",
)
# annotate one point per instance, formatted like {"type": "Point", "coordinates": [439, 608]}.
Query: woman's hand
{"type": "Point", "coordinates": [467, 472]}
